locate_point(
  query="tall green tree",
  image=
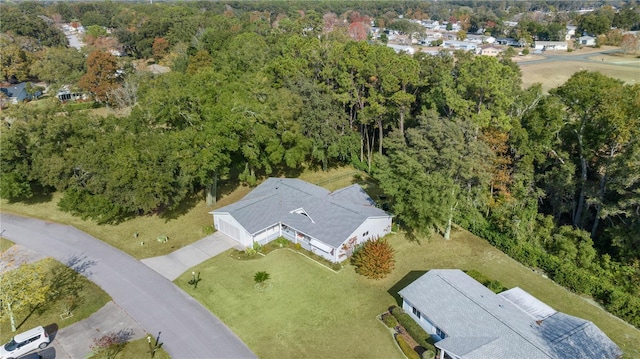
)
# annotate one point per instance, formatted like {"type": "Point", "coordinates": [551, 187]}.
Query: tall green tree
{"type": "Point", "coordinates": [57, 65]}
{"type": "Point", "coordinates": [598, 126]}
{"type": "Point", "coordinates": [440, 175]}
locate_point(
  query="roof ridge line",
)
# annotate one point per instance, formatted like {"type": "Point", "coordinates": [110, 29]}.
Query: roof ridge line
{"type": "Point", "coordinates": [493, 315]}
{"type": "Point", "coordinates": [298, 189]}
{"type": "Point", "coordinates": [572, 331]}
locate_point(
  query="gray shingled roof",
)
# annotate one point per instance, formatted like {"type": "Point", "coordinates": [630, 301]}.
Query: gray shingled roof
{"type": "Point", "coordinates": [464, 308]}
{"type": "Point", "coordinates": [332, 217]}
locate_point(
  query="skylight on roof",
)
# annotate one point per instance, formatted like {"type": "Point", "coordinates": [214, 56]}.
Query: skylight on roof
{"type": "Point", "coordinates": [303, 212]}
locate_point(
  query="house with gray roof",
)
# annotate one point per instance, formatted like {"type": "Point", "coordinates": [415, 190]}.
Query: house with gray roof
{"type": "Point", "coordinates": [330, 224]}
{"type": "Point", "coordinates": [20, 92]}
{"type": "Point", "coordinates": [469, 321]}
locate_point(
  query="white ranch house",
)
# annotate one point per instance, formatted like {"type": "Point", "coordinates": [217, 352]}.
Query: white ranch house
{"type": "Point", "coordinates": [551, 45]}
{"type": "Point", "coordinates": [469, 321]}
{"type": "Point", "coordinates": [329, 224]}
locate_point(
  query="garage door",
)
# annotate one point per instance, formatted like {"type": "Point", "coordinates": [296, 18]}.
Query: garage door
{"type": "Point", "coordinates": [229, 229]}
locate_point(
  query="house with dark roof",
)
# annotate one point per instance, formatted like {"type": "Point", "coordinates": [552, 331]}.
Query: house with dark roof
{"type": "Point", "coordinates": [469, 321]}
{"type": "Point", "coordinates": [330, 224]}
{"type": "Point", "coordinates": [18, 93]}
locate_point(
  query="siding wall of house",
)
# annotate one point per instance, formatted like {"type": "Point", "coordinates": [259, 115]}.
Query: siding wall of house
{"type": "Point", "coordinates": [369, 229]}
{"type": "Point", "coordinates": [267, 235]}
{"type": "Point", "coordinates": [429, 327]}
{"type": "Point", "coordinates": [226, 224]}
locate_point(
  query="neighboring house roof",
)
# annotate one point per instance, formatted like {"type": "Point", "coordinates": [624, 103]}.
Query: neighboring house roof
{"type": "Point", "coordinates": [18, 92]}
{"type": "Point", "coordinates": [327, 216]}
{"type": "Point", "coordinates": [158, 69]}
{"type": "Point", "coordinates": [552, 43]}
{"type": "Point", "coordinates": [402, 48]}
{"type": "Point", "coordinates": [481, 324]}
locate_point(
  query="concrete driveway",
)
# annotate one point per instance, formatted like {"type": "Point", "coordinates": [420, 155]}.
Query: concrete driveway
{"type": "Point", "coordinates": [172, 265]}
{"type": "Point", "coordinates": [188, 329]}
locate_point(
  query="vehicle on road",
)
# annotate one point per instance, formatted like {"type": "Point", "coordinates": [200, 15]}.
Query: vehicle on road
{"type": "Point", "coordinates": [25, 342]}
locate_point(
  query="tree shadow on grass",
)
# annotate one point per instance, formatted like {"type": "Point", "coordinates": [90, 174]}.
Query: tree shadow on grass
{"type": "Point", "coordinates": [402, 283]}
{"type": "Point", "coordinates": [39, 195]}
{"type": "Point", "coordinates": [182, 208]}
{"type": "Point", "coordinates": [65, 288]}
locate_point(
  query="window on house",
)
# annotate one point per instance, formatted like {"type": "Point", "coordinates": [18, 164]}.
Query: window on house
{"type": "Point", "coordinates": [416, 312]}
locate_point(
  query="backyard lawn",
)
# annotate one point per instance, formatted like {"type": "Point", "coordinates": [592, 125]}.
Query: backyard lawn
{"type": "Point", "coordinates": [312, 312]}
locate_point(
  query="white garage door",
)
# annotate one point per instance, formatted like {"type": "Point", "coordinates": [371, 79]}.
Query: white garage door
{"type": "Point", "coordinates": [229, 229]}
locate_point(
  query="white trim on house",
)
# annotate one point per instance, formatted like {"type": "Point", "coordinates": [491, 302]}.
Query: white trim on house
{"type": "Point", "coordinates": [472, 322]}
{"type": "Point", "coordinates": [321, 221]}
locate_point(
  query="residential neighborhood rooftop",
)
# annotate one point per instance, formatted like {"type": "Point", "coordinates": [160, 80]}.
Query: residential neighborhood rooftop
{"type": "Point", "coordinates": [328, 216]}
{"type": "Point", "coordinates": [481, 324]}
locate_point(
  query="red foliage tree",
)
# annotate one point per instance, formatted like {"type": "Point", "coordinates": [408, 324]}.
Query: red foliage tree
{"type": "Point", "coordinates": [358, 31]}
{"type": "Point", "coordinates": [375, 259]}
{"type": "Point", "coordinates": [101, 77]}
{"type": "Point", "coordinates": [160, 47]}
{"type": "Point", "coordinates": [110, 344]}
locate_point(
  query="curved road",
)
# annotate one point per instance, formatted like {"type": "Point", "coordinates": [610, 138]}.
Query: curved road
{"type": "Point", "coordinates": [188, 329]}
{"type": "Point", "coordinates": [550, 56]}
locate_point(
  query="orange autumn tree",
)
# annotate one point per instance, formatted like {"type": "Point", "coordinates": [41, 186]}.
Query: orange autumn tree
{"type": "Point", "coordinates": [375, 259]}
{"type": "Point", "coordinates": [101, 77]}
{"type": "Point", "coordinates": [502, 163]}
{"type": "Point", "coordinates": [160, 48]}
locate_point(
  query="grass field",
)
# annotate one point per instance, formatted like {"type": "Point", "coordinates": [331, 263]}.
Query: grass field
{"type": "Point", "coordinates": [312, 312]}
{"type": "Point", "coordinates": [140, 349]}
{"type": "Point", "coordinates": [90, 298]}
{"type": "Point", "coordinates": [556, 73]}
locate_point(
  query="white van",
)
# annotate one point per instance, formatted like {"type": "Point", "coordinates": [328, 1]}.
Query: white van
{"type": "Point", "coordinates": [25, 342]}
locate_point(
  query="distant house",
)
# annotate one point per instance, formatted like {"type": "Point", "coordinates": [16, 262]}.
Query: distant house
{"type": "Point", "coordinates": [459, 45]}
{"type": "Point", "coordinates": [508, 41]}
{"type": "Point", "coordinates": [490, 50]}
{"type": "Point", "coordinates": [587, 41]}
{"type": "Point", "coordinates": [402, 49]}
{"type": "Point", "coordinates": [64, 95]}
{"type": "Point", "coordinates": [571, 32]}
{"type": "Point", "coordinates": [14, 94]}
{"type": "Point", "coordinates": [480, 39]}
{"type": "Point", "coordinates": [330, 224]}
{"type": "Point", "coordinates": [551, 45]}
{"type": "Point", "coordinates": [469, 321]}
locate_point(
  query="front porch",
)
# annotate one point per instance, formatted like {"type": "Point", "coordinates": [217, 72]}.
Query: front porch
{"type": "Point", "coordinates": [305, 241]}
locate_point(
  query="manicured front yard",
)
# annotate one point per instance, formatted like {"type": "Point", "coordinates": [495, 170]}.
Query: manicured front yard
{"type": "Point", "coordinates": [312, 312]}
{"type": "Point", "coordinates": [309, 312]}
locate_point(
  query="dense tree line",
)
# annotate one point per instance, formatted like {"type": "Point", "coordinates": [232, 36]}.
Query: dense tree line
{"type": "Point", "coordinates": [551, 179]}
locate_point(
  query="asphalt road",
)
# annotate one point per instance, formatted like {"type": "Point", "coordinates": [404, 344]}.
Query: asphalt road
{"type": "Point", "coordinates": [188, 330]}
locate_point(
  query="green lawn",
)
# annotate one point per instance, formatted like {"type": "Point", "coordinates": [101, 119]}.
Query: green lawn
{"type": "Point", "coordinates": [309, 312]}
{"type": "Point", "coordinates": [90, 299]}
{"type": "Point", "coordinates": [5, 244]}
{"type": "Point", "coordinates": [140, 349]}
{"type": "Point", "coordinates": [313, 312]}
